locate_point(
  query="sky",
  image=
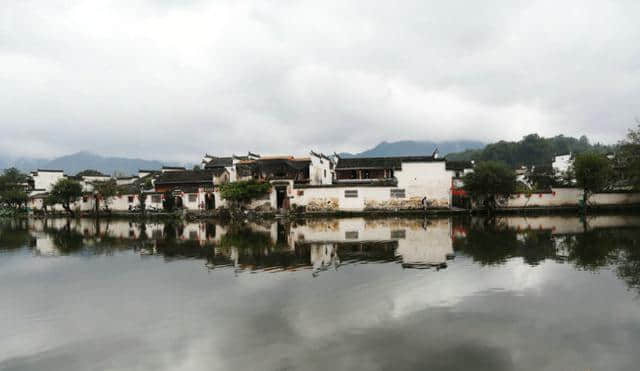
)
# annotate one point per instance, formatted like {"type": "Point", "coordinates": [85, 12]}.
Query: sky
{"type": "Point", "coordinates": [175, 79]}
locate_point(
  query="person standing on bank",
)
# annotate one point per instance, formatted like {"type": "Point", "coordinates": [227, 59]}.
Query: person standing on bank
{"type": "Point", "coordinates": [425, 203]}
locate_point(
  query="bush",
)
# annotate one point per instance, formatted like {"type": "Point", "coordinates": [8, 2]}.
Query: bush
{"type": "Point", "coordinates": [244, 191]}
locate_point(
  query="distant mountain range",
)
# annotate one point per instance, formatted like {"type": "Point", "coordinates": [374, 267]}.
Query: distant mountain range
{"type": "Point", "coordinates": [74, 163]}
{"type": "Point", "coordinates": [416, 148]}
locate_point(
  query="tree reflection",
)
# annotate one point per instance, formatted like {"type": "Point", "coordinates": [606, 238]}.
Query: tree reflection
{"type": "Point", "coordinates": [14, 234]}
{"type": "Point", "coordinates": [489, 243]}
{"type": "Point", "coordinates": [66, 239]}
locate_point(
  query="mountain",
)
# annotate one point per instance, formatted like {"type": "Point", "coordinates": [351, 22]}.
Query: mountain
{"type": "Point", "coordinates": [416, 148]}
{"type": "Point", "coordinates": [74, 163]}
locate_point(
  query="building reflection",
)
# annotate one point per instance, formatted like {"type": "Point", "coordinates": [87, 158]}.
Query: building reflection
{"type": "Point", "coordinates": [321, 245]}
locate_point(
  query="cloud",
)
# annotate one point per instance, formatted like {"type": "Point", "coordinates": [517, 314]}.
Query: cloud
{"type": "Point", "coordinates": [175, 79]}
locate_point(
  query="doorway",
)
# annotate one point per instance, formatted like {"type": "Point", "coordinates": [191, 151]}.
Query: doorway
{"type": "Point", "coordinates": [209, 201]}
{"type": "Point", "coordinates": [281, 198]}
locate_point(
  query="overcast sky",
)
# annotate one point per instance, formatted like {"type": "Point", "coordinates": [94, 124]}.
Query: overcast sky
{"type": "Point", "coordinates": [173, 79]}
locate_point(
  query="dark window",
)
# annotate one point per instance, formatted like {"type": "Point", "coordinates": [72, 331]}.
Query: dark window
{"type": "Point", "coordinates": [352, 235]}
{"type": "Point", "coordinates": [351, 193]}
{"type": "Point", "coordinates": [193, 197]}
{"type": "Point", "coordinates": [397, 193]}
{"type": "Point", "coordinates": [130, 199]}
{"type": "Point", "coordinates": [400, 233]}
{"type": "Point", "coordinates": [155, 199]}
{"type": "Point", "coordinates": [84, 198]}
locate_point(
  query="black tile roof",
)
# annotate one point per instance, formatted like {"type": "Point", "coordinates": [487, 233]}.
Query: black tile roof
{"type": "Point", "coordinates": [459, 165]}
{"type": "Point", "coordinates": [186, 177]}
{"type": "Point", "coordinates": [381, 162]}
{"type": "Point", "coordinates": [219, 162]}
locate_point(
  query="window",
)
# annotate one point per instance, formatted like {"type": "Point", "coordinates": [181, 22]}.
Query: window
{"type": "Point", "coordinates": [155, 199]}
{"type": "Point", "coordinates": [85, 198]}
{"type": "Point", "coordinates": [130, 199]}
{"type": "Point", "coordinates": [400, 233]}
{"type": "Point", "coordinates": [193, 197]}
{"type": "Point", "coordinates": [193, 235]}
{"type": "Point", "coordinates": [397, 193]}
{"type": "Point", "coordinates": [325, 173]}
{"type": "Point", "coordinates": [352, 235]}
{"type": "Point", "coordinates": [351, 193]}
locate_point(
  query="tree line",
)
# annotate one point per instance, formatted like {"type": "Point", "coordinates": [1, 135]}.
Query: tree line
{"type": "Point", "coordinates": [493, 181]}
{"type": "Point", "coordinates": [532, 150]}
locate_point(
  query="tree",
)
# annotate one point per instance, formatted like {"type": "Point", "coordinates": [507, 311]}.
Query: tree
{"type": "Point", "coordinates": [490, 184]}
{"type": "Point", "coordinates": [105, 191]}
{"type": "Point", "coordinates": [169, 201]}
{"type": "Point", "coordinates": [244, 191]}
{"type": "Point", "coordinates": [593, 172]}
{"type": "Point", "coordinates": [65, 192]}
{"type": "Point", "coordinates": [628, 158]}
{"type": "Point", "coordinates": [143, 186]}
{"type": "Point", "coordinates": [541, 177]}
{"type": "Point", "coordinates": [12, 188]}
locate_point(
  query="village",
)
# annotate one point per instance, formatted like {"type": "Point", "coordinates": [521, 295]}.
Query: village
{"type": "Point", "coordinates": [317, 183]}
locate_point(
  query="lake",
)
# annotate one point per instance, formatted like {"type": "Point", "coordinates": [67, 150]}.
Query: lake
{"type": "Point", "coordinates": [516, 293]}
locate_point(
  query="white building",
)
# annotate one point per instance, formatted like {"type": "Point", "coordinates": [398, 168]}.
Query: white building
{"type": "Point", "coordinates": [44, 180]}
{"type": "Point", "coordinates": [561, 163]}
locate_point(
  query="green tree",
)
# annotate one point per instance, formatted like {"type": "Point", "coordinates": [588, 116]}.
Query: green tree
{"type": "Point", "coordinates": [65, 192]}
{"type": "Point", "coordinates": [530, 150]}
{"type": "Point", "coordinates": [490, 184]}
{"type": "Point", "coordinates": [241, 192]}
{"type": "Point", "coordinates": [628, 158]}
{"type": "Point", "coordinates": [541, 177]}
{"type": "Point", "coordinates": [593, 172]}
{"type": "Point", "coordinates": [169, 202]}
{"type": "Point", "coordinates": [12, 188]}
{"type": "Point", "coordinates": [105, 191]}
{"type": "Point", "coordinates": [143, 186]}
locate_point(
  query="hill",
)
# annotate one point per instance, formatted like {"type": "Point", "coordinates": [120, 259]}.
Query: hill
{"type": "Point", "coordinates": [416, 148]}
{"type": "Point", "coordinates": [74, 163]}
{"type": "Point", "coordinates": [530, 150]}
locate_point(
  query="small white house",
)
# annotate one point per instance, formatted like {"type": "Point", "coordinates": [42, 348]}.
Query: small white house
{"type": "Point", "coordinates": [561, 163]}
{"type": "Point", "coordinates": [43, 180]}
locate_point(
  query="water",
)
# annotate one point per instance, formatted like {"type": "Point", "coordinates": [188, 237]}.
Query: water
{"type": "Point", "coordinates": [544, 293]}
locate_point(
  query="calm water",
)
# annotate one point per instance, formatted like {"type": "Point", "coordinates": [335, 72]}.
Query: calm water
{"type": "Point", "coordinates": [546, 293]}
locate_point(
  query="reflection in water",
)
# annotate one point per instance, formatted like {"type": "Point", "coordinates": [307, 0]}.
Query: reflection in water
{"type": "Point", "coordinates": [315, 244]}
{"type": "Point", "coordinates": [513, 293]}
{"type": "Point", "coordinates": [321, 245]}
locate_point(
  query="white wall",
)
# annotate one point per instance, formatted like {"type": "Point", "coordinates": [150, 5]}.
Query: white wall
{"type": "Point", "coordinates": [571, 197]}
{"type": "Point", "coordinates": [320, 170]}
{"type": "Point", "coordinates": [425, 179]}
{"type": "Point", "coordinates": [46, 179]}
{"type": "Point", "coordinates": [558, 197]}
{"type": "Point", "coordinates": [334, 197]}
